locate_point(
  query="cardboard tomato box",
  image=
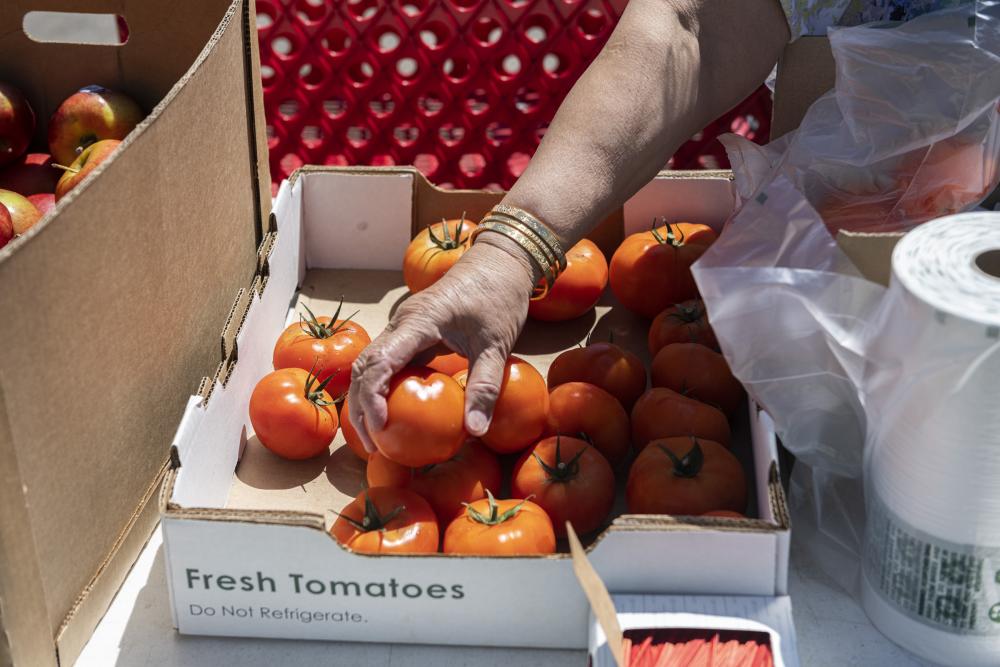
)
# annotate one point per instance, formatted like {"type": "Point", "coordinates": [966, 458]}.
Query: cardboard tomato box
{"type": "Point", "coordinates": [246, 542]}
{"type": "Point", "coordinates": [108, 307]}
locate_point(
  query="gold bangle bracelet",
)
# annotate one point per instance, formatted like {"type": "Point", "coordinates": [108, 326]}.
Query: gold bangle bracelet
{"type": "Point", "coordinates": [541, 229]}
{"type": "Point", "coordinates": [527, 231]}
{"type": "Point", "coordinates": [548, 275]}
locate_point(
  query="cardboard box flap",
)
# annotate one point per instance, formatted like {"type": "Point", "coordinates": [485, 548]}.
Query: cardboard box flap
{"type": "Point", "coordinates": [111, 309]}
{"type": "Point", "coordinates": [162, 43]}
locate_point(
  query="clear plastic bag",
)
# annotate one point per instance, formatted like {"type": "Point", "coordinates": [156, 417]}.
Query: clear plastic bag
{"type": "Point", "coordinates": [911, 132]}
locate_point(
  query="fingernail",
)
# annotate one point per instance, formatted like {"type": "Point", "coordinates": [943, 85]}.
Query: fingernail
{"type": "Point", "coordinates": [477, 422]}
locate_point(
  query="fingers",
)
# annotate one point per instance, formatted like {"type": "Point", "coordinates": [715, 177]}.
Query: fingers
{"type": "Point", "coordinates": [482, 388]}
{"type": "Point", "coordinates": [376, 365]}
{"type": "Point", "coordinates": [357, 418]}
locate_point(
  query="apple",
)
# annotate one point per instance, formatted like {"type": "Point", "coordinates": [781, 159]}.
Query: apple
{"type": "Point", "coordinates": [30, 174]}
{"type": "Point", "coordinates": [17, 123]}
{"type": "Point", "coordinates": [91, 157]}
{"type": "Point", "coordinates": [43, 201]}
{"type": "Point", "coordinates": [22, 211]}
{"type": "Point", "coordinates": [6, 226]}
{"type": "Point", "coordinates": [88, 116]}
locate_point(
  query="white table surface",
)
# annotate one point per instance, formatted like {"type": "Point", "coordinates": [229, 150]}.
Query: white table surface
{"type": "Point", "coordinates": [137, 631]}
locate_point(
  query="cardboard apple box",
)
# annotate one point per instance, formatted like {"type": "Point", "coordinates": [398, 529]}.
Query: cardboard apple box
{"type": "Point", "coordinates": [246, 542]}
{"type": "Point", "coordinates": [110, 304]}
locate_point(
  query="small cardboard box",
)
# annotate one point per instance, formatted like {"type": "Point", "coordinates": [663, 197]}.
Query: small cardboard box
{"type": "Point", "coordinates": [109, 306]}
{"type": "Point", "coordinates": [246, 541]}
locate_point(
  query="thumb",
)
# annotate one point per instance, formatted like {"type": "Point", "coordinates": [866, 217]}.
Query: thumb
{"type": "Point", "coordinates": [486, 373]}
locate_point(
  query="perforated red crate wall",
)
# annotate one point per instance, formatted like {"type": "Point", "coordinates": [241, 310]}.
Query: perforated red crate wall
{"type": "Point", "coordinates": [463, 89]}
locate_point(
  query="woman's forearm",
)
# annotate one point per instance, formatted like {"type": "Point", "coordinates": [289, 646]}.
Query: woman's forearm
{"type": "Point", "coordinates": [669, 68]}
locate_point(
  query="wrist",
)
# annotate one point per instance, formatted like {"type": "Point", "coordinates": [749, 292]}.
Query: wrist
{"type": "Point", "coordinates": [508, 258]}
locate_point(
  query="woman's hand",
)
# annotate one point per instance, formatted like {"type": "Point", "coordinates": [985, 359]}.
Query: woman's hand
{"type": "Point", "coordinates": [477, 309]}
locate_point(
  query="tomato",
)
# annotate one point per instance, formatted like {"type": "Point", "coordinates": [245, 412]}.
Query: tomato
{"type": "Point", "coordinates": [685, 322]}
{"type": "Point", "coordinates": [578, 407]}
{"type": "Point", "coordinates": [434, 250]}
{"type": "Point", "coordinates": [492, 527]}
{"type": "Point", "coordinates": [578, 287]}
{"type": "Point", "coordinates": [570, 480]}
{"type": "Point", "coordinates": [6, 226]}
{"type": "Point", "coordinates": [425, 424]}
{"type": "Point", "coordinates": [521, 410]}
{"type": "Point", "coordinates": [651, 270]}
{"type": "Point", "coordinates": [685, 475]}
{"type": "Point", "coordinates": [445, 361]}
{"type": "Point", "coordinates": [605, 365]}
{"type": "Point", "coordinates": [699, 373]}
{"type": "Point", "coordinates": [388, 521]}
{"type": "Point", "coordinates": [327, 346]}
{"type": "Point", "coordinates": [292, 414]}
{"type": "Point", "coordinates": [663, 413]}
{"type": "Point", "coordinates": [23, 213]}
{"type": "Point", "coordinates": [446, 486]}
{"type": "Point", "coordinates": [351, 434]}
{"type": "Point", "coordinates": [724, 514]}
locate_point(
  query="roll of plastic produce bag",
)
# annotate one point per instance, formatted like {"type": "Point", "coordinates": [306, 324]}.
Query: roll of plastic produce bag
{"type": "Point", "coordinates": [931, 565]}
{"type": "Point", "coordinates": [911, 132]}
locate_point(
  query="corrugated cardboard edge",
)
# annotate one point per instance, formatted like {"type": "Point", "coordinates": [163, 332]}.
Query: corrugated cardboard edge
{"type": "Point", "coordinates": [94, 600]}
{"type": "Point", "coordinates": [871, 253]}
{"type": "Point", "coordinates": [255, 119]}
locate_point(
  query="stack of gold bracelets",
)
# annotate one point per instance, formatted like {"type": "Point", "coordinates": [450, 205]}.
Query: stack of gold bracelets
{"type": "Point", "coordinates": [531, 234]}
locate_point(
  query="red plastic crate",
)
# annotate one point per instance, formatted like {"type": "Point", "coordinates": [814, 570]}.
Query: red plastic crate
{"type": "Point", "coordinates": [463, 89]}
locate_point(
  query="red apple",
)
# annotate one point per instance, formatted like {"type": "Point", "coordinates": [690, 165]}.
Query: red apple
{"type": "Point", "coordinates": [22, 211]}
{"type": "Point", "coordinates": [30, 174]}
{"type": "Point", "coordinates": [92, 156]}
{"type": "Point", "coordinates": [43, 201]}
{"type": "Point", "coordinates": [88, 116]}
{"type": "Point", "coordinates": [6, 226]}
{"type": "Point", "coordinates": [17, 123]}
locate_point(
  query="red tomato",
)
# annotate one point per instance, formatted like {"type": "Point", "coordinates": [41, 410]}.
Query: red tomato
{"type": "Point", "coordinates": [605, 365]}
{"type": "Point", "coordinates": [568, 479]}
{"type": "Point", "coordinates": [577, 289]}
{"type": "Point", "coordinates": [324, 345]}
{"type": "Point", "coordinates": [687, 476]}
{"type": "Point", "coordinates": [521, 410]}
{"type": "Point", "coordinates": [578, 407]}
{"type": "Point", "coordinates": [447, 362]}
{"type": "Point", "coordinates": [682, 323]}
{"type": "Point", "coordinates": [434, 250]}
{"type": "Point", "coordinates": [351, 435]}
{"type": "Point", "coordinates": [384, 520]}
{"type": "Point", "coordinates": [663, 413]}
{"type": "Point", "coordinates": [446, 486]}
{"type": "Point", "coordinates": [426, 418]}
{"type": "Point", "coordinates": [501, 527]}
{"type": "Point", "coordinates": [292, 414]}
{"type": "Point", "coordinates": [699, 373]}
{"type": "Point", "coordinates": [651, 270]}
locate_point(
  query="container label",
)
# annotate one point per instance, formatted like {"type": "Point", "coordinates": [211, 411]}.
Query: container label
{"type": "Point", "coordinates": [948, 586]}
